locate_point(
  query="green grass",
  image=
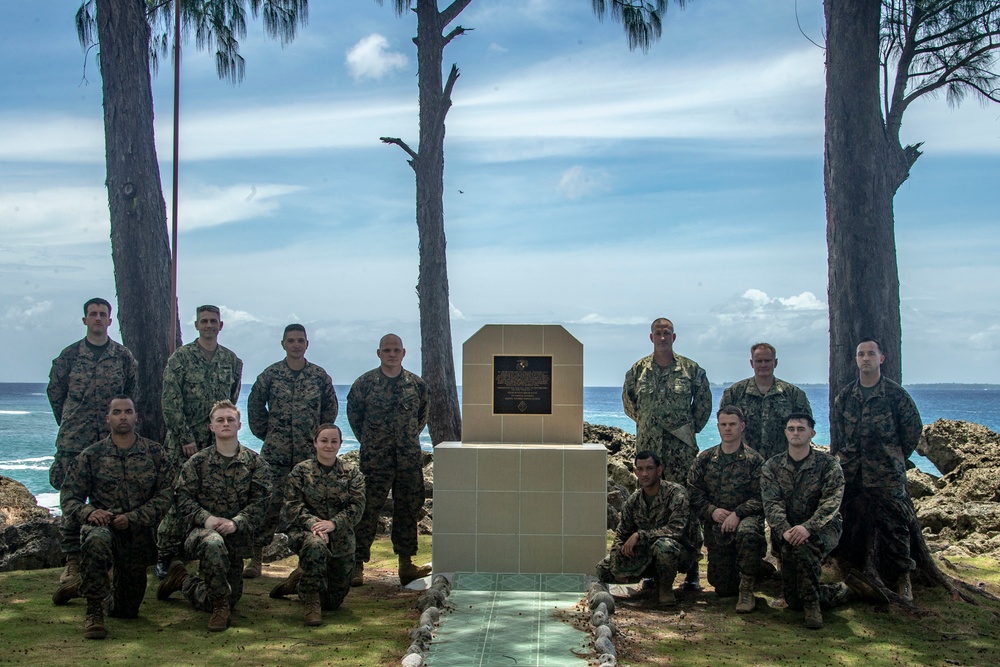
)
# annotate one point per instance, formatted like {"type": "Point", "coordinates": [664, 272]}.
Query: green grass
{"type": "Point", "coordinates": [371, 628]}
{"type": "Point", "coordinates": [707, 633]}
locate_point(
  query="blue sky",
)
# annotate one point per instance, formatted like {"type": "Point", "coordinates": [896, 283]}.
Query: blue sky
{"type": "Point", "coordinates": [586, 185]}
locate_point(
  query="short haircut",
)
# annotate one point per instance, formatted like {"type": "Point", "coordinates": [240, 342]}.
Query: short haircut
{"type": "Point", "coordinates": [209, 307]}
{"type": "Point", "coordinates": [801, 416]}
{"type": "Point", "coordinates": [757, 346]}
{"type": "Point", "coordinates": [97, 301]}
{"type": "Point", "coordinates": [326, 427]}
{"type": "Point", "coordinates": [731, 410]}
{"type": "Point", "coordinates": [293, 327]}
{"type": "Point", "coordinates": [223, 405]}
{"type": "Point", "coordinates": [869, 339]}
{"type": "Point", "coordinates": [121, 397]}
{"type": "Point", "coordinates": [381, 341]}
{"type": "Point", "coordinates": [652, 327]}
{"type": "Point", "coordinates": [647, 454]}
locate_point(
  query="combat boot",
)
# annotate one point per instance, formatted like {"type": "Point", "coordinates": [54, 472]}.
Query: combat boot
{"type": "Point", "coordinates": [665, 592]}
{"type": "Point", "coordinates": [314, 612]}
{"type": "Point", "coordinates": [174, 581]}
{"type": "Point", "coordinates": [220, 615]}
{"type": "Point", "coordinates": [408, 571]}
{"type": "Point", "coordinates": [288, 586]}
{"type": "Point", "coordinates": [253, 568]}
{"type": "Point", "coordinates": [813, 615]}
{"type": "Point", "coordinates": [67, 592]}
{"type": "Point", "coordinates": [358, 575]}
{"type": "Point", "coordinates": [904, 587]}
{"type": "Point", "coordinates": [93, 626]}
{"type": "Point", "coordinates": [71, 572]}
{"type": "Point", "coordinates": [746, 602]}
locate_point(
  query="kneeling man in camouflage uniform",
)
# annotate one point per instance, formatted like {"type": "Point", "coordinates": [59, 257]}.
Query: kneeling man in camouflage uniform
{"type": "Point", "coordinates": [724, 487]}
{"type": "Point", "coordinates": [324, 502]}
{"type": "Point", "coordinates": [654, 535]}
{"type": "Point", "coordinates": [118, 490]}
{"type": "Point", "coordinates": [221, 495]}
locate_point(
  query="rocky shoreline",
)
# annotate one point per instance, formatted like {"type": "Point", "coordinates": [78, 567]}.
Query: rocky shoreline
{"type": "Point", "coordinates": [959, 511]}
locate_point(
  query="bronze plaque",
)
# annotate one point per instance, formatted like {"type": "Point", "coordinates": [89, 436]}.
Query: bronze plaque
{"type": "Point", "coordinates": [522, 385]}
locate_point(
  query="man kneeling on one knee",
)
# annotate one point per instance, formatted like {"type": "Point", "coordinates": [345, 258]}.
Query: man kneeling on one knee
{"type": "Point", "coordinates": [654, 534]}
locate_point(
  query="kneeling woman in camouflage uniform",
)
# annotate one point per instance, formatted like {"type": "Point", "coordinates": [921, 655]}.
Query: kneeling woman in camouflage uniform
{"type": "Point", "coordinates": [324, 501]}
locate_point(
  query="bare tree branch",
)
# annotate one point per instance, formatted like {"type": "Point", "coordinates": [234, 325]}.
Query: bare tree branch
{"type": "Point", "coordinates": [459, 30]}
{"type": "Point", "coordinates": [402, 144]}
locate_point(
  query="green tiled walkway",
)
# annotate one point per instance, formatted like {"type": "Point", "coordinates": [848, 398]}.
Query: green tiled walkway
{"type": "Point", "coordinates": [510, 619]}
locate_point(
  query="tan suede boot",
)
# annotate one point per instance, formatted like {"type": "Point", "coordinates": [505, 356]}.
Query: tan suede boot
{"type": "Point", "coordinates": [220, 615]}
{"type": "Point", "coordinates": [71, 572]}
{"type": "Point", "coordinates": [253, 568]}
{"type": "Point", "coordinates": [314, 611]}
{"type": "Point", "coordinates": [93, 625]}
{"type": "Point", "coordinates": [665, 592]}
{"type": "Point", "coordinates": [408, 571]}
{"type": "Point", "coordinates": [746, 602]}
{"type": "Point", "coordinates": [813, 616]}
{"type": "Point", "coordinates": [358, 576]}
{"type": "Point", "coordinates": [67, 592]}
{"type": "Point", "coordinates": [174, 581]}
{"type": "Point", "coordinates": [288, 586]}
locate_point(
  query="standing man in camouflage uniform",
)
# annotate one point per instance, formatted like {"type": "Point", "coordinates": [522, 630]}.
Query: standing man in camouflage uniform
{"type": "Point", "coordinates": [221, 495]}
{"type": "Point", "coordinates": [118, 490]}
{"type": "Point", "coordinates": [84, 377]}
{"type": "Point", "coordinates": [655, 535]}
{"type": "Point", "coordinates": [325, 500]}
{"type": "Point", "coordinates": [669, 399]}
{"type": "Point", "coordinates": [197, 376]}
{"type": "Point", "coordinates": [802, 491]}
{"type": "Point", "coordinates": [288, 401]}
{"type": "Point", "coordinates": [724, 487]}
{"type": "Point", "coordinates": [874, 428]}
{"type": "Point", "coordinates": [387, 408]}
{"type": "Point", "coordinates": [765, 401]}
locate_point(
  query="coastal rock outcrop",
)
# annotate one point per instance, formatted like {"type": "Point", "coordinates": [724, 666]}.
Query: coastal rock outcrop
{"type": "Point", "coordinates": [29, 534]}
{"type": "Point", "coordinates": [962, 514]}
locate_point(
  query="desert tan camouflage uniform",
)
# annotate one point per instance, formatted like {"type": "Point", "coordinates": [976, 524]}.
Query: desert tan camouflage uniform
{"type": "Point", "coordinates": [209, 484]}
{"type": "Point", "coordinates": [667, 538]}
{"type": "Point", "coordinates": [766, 413]}
{"type": "Point", "coordinates": [872, 438]}
{"type": "Point", "coordinates": [387, 416]}
{"type": "Point", "coordinates": [315, 494]}
{"type": "Point", "coordinates": [731, 482]}
{"type": "Point", "coordinates": [807, 493]}
{"type": "Point", "coordinates": [80, 388]}
{"type": "Point", "coordinates": [284, 408]}
{"type": "Point", "coordinates": [669, 406]}
{"type": "Point", "coordinates": [135, 482]}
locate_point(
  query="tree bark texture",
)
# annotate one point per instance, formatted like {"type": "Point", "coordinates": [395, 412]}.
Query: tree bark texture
{"type": "Point", "coordinates": [139, 245]}
{"type": "Point", "coordinates": [860, 181]}
{"type": "Point", "coordinates": [438, 362]}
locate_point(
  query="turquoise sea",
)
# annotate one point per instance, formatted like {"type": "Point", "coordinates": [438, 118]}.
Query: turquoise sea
{"type": "Point", "coordinates": [28, 430]}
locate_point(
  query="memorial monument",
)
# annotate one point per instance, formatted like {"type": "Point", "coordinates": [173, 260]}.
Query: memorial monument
{"type": "Point", "coordinates": [521, 492]}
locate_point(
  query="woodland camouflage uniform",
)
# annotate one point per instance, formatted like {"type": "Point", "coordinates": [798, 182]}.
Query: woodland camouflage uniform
{"type": "Point", "coordinates": [191, 386]}
{"type": "Point", "coordinates": [387, 416]}
{"type": "Point", "coordinates": [284, 408]}
{"type": "Point", "coordinates": [731, 482]}
{"type": "Point", "coordinates": [766, 413]}
{"type": "Point", "coordinates": [80, 388]}
{"type": "Point", "coordinates": [669, 406]}
{"type": "Point", "coordinates": [237, 489]}
{"type": "Point", "coordinates": [806, 493]}
{"type": "Point", "coordinates": [135, 482]}
{"type": "Point", "coordinates": [667, 538]}
{"type": "Point", "coordinates": [315, 494]}
{"type": "Point", "coordinates": [872, 438]}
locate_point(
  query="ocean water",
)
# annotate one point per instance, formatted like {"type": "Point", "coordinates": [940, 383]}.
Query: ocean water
{"type": "Point", "coordinates": [28, 430]}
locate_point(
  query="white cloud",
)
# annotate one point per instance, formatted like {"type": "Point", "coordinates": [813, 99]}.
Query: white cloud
{"type": "Point", "coordinates": [205, 206]}
{"type": "Point", "coordinates": [576, 182]}
{"type": "Point", "coordinates": [987, 340]}
{"type": "Point", "coordinates": [597, 318]}
{"type": "Point", "coordinates": [235, 316]}
{"type": "Point", "coordinates": [25, 311]}
{"type": "Point", "coordinates": [456, 314]}
{"type": "Point", "coordinates": [371, 58]}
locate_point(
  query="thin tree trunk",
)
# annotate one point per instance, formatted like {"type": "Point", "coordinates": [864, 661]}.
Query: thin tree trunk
{"type": "Point", "coordinates": [438, 368]}
{"type": "Point", "coordinates": [139, 246]}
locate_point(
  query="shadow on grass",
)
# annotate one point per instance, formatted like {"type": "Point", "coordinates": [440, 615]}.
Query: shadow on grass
{"type": "Point", "coordinates": [371, 628]}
